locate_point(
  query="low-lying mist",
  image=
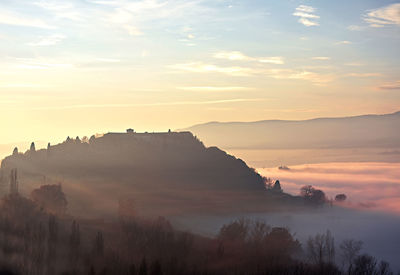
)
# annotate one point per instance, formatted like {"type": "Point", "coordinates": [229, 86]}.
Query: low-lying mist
{"type": "Point", "coordinates": [375, 186]}
{"type": "Point", "coordinates": [378, 231]}
{"type": "Point", "coordinates": [370, 214]}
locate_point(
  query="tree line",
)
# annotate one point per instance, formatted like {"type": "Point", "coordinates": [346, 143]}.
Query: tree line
{"type": "Point", "coordinates": [34, 240]}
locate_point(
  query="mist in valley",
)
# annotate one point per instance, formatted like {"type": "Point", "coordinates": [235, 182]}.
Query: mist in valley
{"type": "Point", "coordinates": [171, 181]}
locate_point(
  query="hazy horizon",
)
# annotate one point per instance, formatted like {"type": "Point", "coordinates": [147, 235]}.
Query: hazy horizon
{"type": "Point", "coordinates": [157, 65]}
{"type": "Point", "coordinates": [242, 137]}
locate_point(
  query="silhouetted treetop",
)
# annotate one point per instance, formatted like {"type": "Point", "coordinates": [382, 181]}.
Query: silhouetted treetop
{"type": "Point", "coordinates": [340, 197]}
{"type": "Point", "coordinates": [312, 195]}
{"type": "Point", "coordinates": [277, 187]}
{"type": "Point", "coordinates": [32, 148]}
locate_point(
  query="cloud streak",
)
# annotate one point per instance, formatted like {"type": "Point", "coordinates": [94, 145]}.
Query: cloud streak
{"type": "Point", "coordinates": [388, 15]}
{"type": "Point", "coordinates": [315, 78]}
{"type": "Point", "coordinates": [343, 42]}
{"type": "Point", "coordinates": [238, 56]}
{"type": "Point", "coordinates": [62, 10]}
{"type": "Point", "coordinates": [48, 40]}
{"type": "Point", "coordinates": [364, 74]}
{"type": "Point", "coordinates": [33, 64]}
{"type": "Point", "coordinates": [214, 89]}
{"type": "Point", "coordinates": [320, 58]}
{"type": "Point", "coordinates": [127, 105]}
{"type": "Point", "coordinates": [306, 15]}
{"type": "Point", "coordinates": [15, 19]}
{"type": "Point", "coordinates": [200, 67]}
{"type": "Point", "coordinates": [391, 86]}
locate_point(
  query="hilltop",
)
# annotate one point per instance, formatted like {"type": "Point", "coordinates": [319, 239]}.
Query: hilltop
{"type": "Point", "coordinates": [163, 173]}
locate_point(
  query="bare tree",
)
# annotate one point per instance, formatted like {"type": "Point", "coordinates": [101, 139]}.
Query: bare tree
{"type": "Point", "coordinates": [350, 249]}
{"type": "Point", "coordinates": [259, 231]}
{"type": "Point", "coordinates": [384, 269]}
{"type": "Point", "coordinates": [235, 231]}
{"type": "Point", "coordinates": [99, 244]}
{"type": "Point", "coordinates": [321, 248]}
{"type": "Point", "coordinates": [364, 265]}
{"type": "Point", "coordinates": [268, 183]}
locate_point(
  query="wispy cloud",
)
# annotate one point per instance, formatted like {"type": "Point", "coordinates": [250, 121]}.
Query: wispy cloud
{"type": "Point", "coordinates": [321, 58]}
{"type": "Point", "coordinates": [220, 108]}
{"type": "Point", "coordinates": [354, 64]}
{"type": "Point", "coordinates": [307, 15]}
{"type": "Point", "coordinates": [272, 60]}
{"type": "Point", "coordinates": [126, 105]}
{"type": "Point", "coordinates": [234, 55]}
{"type": "Point", "coordinates": [200, 67]}
{"type": "Point", "coordinates": [132, 30]}
{"type": "Point", "coordinates": [188, 36]}
{"type": "Point", "coordinates": [388, 15]}
{"type": "Point", "coordinates": [19, 85]}
{"type": "Point", "coordinates": [107, 60]}
{"type": "Point", "coordinates": [364, 74]}
{"type": "Point", "coordinates": [306, 9]}
{"type": "Point", "coordinates": [391, 86]}
{"type": "Point", "coordinates": [355, 28]}
{"type": "Point", "coordinates": [38, 64]}
{"type": "Point", "coordinates": [299, 110]}
{"type": "Point", "coordinates": [214, 88]}
{"type": "Point", "coordinates": [343, 42]}
{"type": "Point", "coordinates": [48, 40]}
{"type": "Point", "coordinates": [131, 15]}
{"type": "Point", "coordinates": [62, 10]}
{"type": "Point", "coordinates": [315, 78]}
{"type": "Point", "coordinates": [238, 56]}
{"type": "Point", "coordinates": [15, 19]}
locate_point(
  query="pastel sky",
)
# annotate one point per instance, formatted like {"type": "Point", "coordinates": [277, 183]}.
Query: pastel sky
{"type": "Point", "coordinates": [79, 67]}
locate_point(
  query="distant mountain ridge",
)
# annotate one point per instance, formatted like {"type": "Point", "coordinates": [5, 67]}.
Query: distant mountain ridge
{"type": "Point", "coordinates": [301, 120]}
{"type": "Point", "coordinates": [344, 132]}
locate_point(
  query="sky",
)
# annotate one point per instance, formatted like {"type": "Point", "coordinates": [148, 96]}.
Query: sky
{"type": "Point", "coordinates": [78, 67]}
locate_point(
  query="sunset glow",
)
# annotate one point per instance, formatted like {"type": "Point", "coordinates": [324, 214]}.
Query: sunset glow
{"type": "Point", "coordinates": [98, 66]}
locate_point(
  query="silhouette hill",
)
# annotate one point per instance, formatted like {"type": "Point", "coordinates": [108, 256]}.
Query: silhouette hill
{"type": "Point", "coordinates": [163, 173]}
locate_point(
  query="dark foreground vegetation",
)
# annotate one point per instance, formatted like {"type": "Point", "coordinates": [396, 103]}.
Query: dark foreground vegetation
{"type": "Point", "coordinates": [38, 237]}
